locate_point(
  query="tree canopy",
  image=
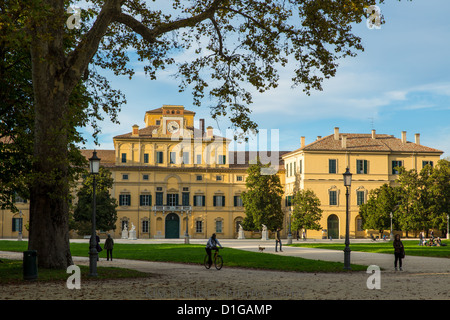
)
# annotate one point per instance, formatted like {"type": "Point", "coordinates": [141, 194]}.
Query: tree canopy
{"type": "Point", "coordinates": [262, 199]}
{"type": "Point", "coordinates": [236, 46]}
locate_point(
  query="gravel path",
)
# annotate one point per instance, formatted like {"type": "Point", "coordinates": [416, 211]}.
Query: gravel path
{"type": "Point", "coordinates": [423, 278]}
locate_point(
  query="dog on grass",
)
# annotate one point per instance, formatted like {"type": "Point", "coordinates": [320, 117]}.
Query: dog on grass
{"type": "Point", "coordinates": [261, 249]}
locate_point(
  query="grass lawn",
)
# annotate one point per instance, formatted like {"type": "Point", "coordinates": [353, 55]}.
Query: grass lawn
{"type": "Point", "coordinates": [195, 254]}
{"type": "Point", "coordinates": [411, 248]}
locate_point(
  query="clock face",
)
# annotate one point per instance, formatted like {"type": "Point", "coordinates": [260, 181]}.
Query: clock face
{"type": "Point", "coordinates": [173, 126]}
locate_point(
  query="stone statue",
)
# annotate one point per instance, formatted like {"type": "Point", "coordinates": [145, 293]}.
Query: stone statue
{"type": "Point", "coordinates": [132, 233]}
{"type": "Point", "coordinates": [241, 232]}
{"type": "Point", "coordinates": [264, 233]}
{"type": "Point", "coordinates": [125, 231]}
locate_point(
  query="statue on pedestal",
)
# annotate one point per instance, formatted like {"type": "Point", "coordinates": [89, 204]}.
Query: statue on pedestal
{"type": "Point", "coordinates": [125, 231]}
{"type": "Point", "coordinates": [241, 232]}
{"type": "Point", "coordinates": [264, 233]}
{"type": "Point", "coordinates": [132, 233]}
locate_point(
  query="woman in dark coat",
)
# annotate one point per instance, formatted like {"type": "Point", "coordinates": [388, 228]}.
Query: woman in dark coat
{"type": "Point", "coordinates": [109, 245]}
{"type": "Point", "coordinates": [399, 252]}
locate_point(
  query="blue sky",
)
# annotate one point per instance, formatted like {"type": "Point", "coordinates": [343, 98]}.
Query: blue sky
{"type": "Point", "coordinates": [401, 82]}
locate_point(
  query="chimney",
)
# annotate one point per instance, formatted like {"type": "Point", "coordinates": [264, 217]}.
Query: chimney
{"type": "Point", "coordinates": [319, 137]}
{"type": "Point", "coordinates": [336, 133]}
{"type": "Point", "coordinates": [302, 142]}
{"type": "Point", "coordinates": [344, 141]}
{"type": "Point", "coordinates": [417, 138]}
{"type": "Point", "coordinates": [202, 127]}
{"type": "Point", "coordinates": [209, 132]}
{"type": "Point", "coordinates": [403, 136]}
{"type": "Point", "coordinates": [135, 131]}
{"type": "Point", "coordinates": [373, 134]}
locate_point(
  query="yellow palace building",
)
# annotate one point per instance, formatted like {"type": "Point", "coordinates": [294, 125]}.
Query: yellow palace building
{"type": "Point", "coordinates": [171, 178]}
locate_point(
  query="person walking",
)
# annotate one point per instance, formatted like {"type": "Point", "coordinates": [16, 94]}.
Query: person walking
{"type": "Point", "coordinates": [277, 240]}
{"type": "Point", "coordinates": [399, 252]}
{"type": "Point", "coordinates": [109, 245]}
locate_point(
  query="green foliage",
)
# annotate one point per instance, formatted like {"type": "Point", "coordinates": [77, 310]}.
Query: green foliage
{"type": "Point", "coordinates": [307, 212]}
{"type": "Point", "coordinates": [375, 213]}
{"type": "Point", "coordinates": [262, 199]}
{"type": "Point", "coordinates": [421, 201]}
{"type": "Point", "coordinates": [106, 214]}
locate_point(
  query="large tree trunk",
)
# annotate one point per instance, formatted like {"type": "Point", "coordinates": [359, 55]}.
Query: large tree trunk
{"type": "Point", "coordinates": [49, 188]}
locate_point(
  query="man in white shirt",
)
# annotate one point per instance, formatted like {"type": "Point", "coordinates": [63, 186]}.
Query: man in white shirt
{"type": "Point", "coordinates": [212, 245]}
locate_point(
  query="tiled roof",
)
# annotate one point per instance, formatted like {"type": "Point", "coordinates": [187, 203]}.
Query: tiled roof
{"type": "Point", "coordinates": [364, 142]}
{"type": "Point", "coordinates": [160, 110]}
{"type": "Point", "coordinates": [107, 157]}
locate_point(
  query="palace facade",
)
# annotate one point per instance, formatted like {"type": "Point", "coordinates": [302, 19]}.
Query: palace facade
{"type": "Point", "coordinates": [171, 178]}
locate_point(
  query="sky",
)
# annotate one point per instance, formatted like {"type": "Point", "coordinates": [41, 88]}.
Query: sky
{"type": "Point", "coordinates": [401, 82]}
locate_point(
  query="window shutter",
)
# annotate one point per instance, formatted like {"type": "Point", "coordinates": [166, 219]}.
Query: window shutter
{"type": "Point", "coordinates": [203, 201]}
{"type": "Point", "coordinates": [214, 201]}
{"type": "Point", "coordinates": [365, 166]}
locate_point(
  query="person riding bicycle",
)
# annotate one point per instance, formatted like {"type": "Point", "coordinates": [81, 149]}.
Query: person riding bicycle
{"type": "Point", "coordinates": [212, 245]}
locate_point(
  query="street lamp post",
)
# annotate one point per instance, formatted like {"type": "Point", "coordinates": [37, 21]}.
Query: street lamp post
{"type": "Point", "coordinates": [94, 163]}
{"type": "Point", "coordinates": [186, 235]}
{"type": "Point", "coordinates": [347, 183]}
{"type": "Point", "coordinates": [289, 230]}
{"type": "Point", "coordinates": [448, 234]}
{"type": "Point", "coordinates": [391, 236]}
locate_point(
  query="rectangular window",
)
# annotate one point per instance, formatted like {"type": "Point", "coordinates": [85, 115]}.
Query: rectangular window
{"type": "Point", "coordinates": [300, 166]}
{"type": "Point", "coordinates": [218, 178]}
{"type": "Point", "coordinates": [424, 163]}
{"type": "Point", "coordinates": [333, 198]}
{"type": "Point", "coordinates": [158, 122]}
{"type": "Point", "coordinates": [124, 200]}
{"type": "Point", "coordinates": [186, 158]}
{"type": "Point", "coordinates": [125, 176]}
{"type": "Point", "coordinates": [360, 197]}
{"type": "Point", "coordinates": [124, 158]}
{"type": "Point", "coordinates": [145, 177]}
{"type": "Point", "coordinates": [173, 157]}
{"type": "Point", "coordinates": [288, 201]}
{"type": "Point", "coordinates": [159, 198]}
{"type": "Point", "coordinates": [239, 178]}
{"type": "Point", "coordinates": [222, 159]}
{"type": "Point", "coordinates": [238, 201]}
{"type": "Point", "coordinates": [199, 159]}
{"type": "Point", "coordinates": [145, 226]}
{"type": "Point", "coordinates": [219, 201]}
{"type": "Point", "coordinates": [159, 157]}
{"type": "Point", "coordinates": [145, 200]}
{"type": "Point", "coordinates": [172, 199]}
{"type": "Point", "coordinates": [287, 170]}
{"type": "Point", "coordinates": [198, 226]}
{"type": "Point", "coordinates": [290, 169]}
{"type": "Point", "coordinates": [332, 166]}
{"type": "Point", "coordinates": [185, 199]}
{"type": "Point", "coordinates": [146, 158]}
{"type": "Point", "coordinates": [396, 164]}
{"type": "Point", "coordinates": [199, 201]}
{"type": "Point", "coordinates": [219, 226]}
{"type": "Point", "coordinates": [17, 224]}
{"type": "Point", "coordinates": [361, 166]}
{"type": "Point", "coordinates": [199, 178]}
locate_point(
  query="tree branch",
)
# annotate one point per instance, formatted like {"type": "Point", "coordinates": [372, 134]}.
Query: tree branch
{"type": "Point", "coordinates": [150, 35]}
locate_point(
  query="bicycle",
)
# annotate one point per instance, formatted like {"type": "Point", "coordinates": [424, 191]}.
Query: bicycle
{"type": "Point", "coordinates": [217, 260]}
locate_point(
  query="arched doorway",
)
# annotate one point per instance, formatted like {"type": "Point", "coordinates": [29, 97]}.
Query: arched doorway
{"type": "Point", "coordinates": [172, 226]}
{"type": "Point", "coordinates": [333, 226]}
